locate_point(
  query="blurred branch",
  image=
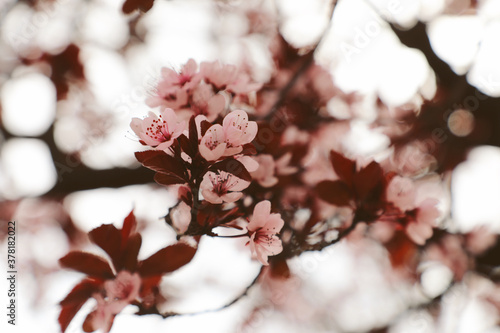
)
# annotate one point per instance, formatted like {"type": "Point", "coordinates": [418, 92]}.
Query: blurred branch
{"type": "Point", "coordinates": [342, 234]}
{"type": "Point", "coordinates": [453, 92]}
{"type": "Point", "coordinates": [144, 311]}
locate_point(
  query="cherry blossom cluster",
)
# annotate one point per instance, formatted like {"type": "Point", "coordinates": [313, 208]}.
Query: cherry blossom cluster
{"type": "Point", "coordinates": [268, 163]}
{"type": "Point", "coordinates": [212, 164]}
{"type": "Point", "coordinates": [208, 91]}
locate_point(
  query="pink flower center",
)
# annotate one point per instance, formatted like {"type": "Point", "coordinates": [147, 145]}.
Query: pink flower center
{"type": "Point", "coordinates": [222, 184]}
{"type": "Point", "coordinates": [263, 237]}
{"type": "Point", "coordinates": [184, 78]}
{"type": "Point", "coordinates": [158, 130]}
{"type": "Point", "coordinates": [122, 290]}
{"type": "Point", "coordinates": [212, 140]}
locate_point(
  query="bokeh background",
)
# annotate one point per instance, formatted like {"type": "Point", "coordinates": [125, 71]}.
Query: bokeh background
{"type": "Point", "coordinates": [72, 75]}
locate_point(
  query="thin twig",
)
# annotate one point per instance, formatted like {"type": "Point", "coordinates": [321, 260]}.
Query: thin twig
{"type": "Point", "coordinates": [236, 299]}
{"type": "Point", "coordinates": [342, 234]}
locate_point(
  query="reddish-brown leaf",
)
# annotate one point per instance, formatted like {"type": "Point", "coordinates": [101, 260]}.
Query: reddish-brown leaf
{"type": "Point", "coordinates": [128, 228]}
{"type": "Point", "coordinates": [335, 192]}
{"type": "Point", "coordinates": [130, 253]}
{"type": "Point", "coordinates": [143, 5]}
{"type": "Point", "coordinates": [164, 179]}
{"type": "Point", "coordinates": [167, 260]}
{"type": "Point", "coordinates": [185, 195]}
{"type": "Point", "coordinates": [164, 163]}
{"type": "Point", "coordinates": [186, 145]}
{"type": "Point", "coordinates": [87, 263]}
{"type": "Point", "coordinates": [204, 126]}
{"type": "Point", "coordinates": [193, 134]}
{"type": "Point", "coordinates": [230, 215]}
{"type": "Point", "coordinates": [249, 149]}
{"type": "Point", "coordinates": [108, 238]}
{"type": "Point", "coordinates": [72, 303]}
{"type": "Point", "coordinates": [142, 156]}
{"type": "Point", "coordinates": [367, 180]}
{"type": "Point", "coordinates": [234, 167]}
{"type": "Point", "coordinates": [67, 314]}
{"type": "Point", "coordinates": [343, 167]}
{"type": "Point", "coordinates": [82, 291]}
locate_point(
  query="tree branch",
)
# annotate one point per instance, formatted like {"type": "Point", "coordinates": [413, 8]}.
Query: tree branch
{"type": "Point", "coordinates": [144, 311]}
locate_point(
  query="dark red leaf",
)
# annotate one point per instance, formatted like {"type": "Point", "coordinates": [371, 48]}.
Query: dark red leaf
{"type": "Point", "coordinates": [130, 253]}
{"type": "Point", "coordinates": [82, 291]}
{"type": "Point", "coordinates": [234, 167]}
{"type": "Point", "coordinates": [204, 126]}
{"type": "Point", "coordinates": [147, 154]}
{"type": "Point", "coordinates": [143, 5]}
{"type": "Point", "coordinates": [343, 167]}
{"type": "Point", "coordinates": [184, 193]}
{"type": "Point", "coordinates": [367, 180]}
{"type": "Point", "coordinates": [87, 263]}
{"type": "Point", "coordinates": [67, 314]}
{"type": "Point", "coordinates": [186, 145]}
{"type": "Point", "coordinates": [149, 286]}
{"type": "Point", "coordinates": [72, 303]}
{"type": "Point", "coordinates": [167, 260]}
{"type": "Point", "coordinates": [108, 238]}
{"type": "Point", "coordinates": [166, 164]}
{"type": "Point", "coordinates": [334, 192]}
{"type": "Point", "coordinates": [230, 215]}
{"type": "Point", "coordinates": [249, 149]}
{"type": "Point", "coordinates": [193, 134]}
{"type": "Point", "coordinates": [203, 213]}
{"type": "Point", "coordinates": [164, 179]}
{"type": "Point", "coordinates": [129, 226]}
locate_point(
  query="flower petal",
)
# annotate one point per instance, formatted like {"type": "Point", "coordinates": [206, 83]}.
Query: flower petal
{"type": "Point", "coordinates": [260, 214]}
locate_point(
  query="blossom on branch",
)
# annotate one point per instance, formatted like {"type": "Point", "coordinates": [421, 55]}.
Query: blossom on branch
{"type": "Point", "coordinates": [119, 293]}
{"type": "Point", "coordinates": [238, 131]}
{"type": "Point", "coordinates": [222, 187]}
{"type": "Point", "coordinates": [173, 89]}
{"type": "Point", "coordinates": [213, 145]}
{"type": "Point", "coordinates": [158, 131]}
{"type": "Point", "coordinates": [263, 229]}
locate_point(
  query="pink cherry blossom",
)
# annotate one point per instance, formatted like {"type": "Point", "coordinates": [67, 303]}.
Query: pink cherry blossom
{"type": "Point", "coordinates": [120, 292]}
{"type": "Point", "coordinates": [187, 77]}
{"type": "Point", "coordinates": [238, 131]}
{"type": "Point", "coordinates": [228, 77]}
{"type": "Point", "coordinates": [170, 97]}
{"type": "Point", "coordinates": [265, 174]}
{"type": "Point", "coordinates": [102, 317]}
{"type": "Point", "coordinates": [124, 288]}
{"type": "Point", "coordinates": [205, 102]}
{"type": "Point", "coordinates": [248, 162]}
{"type": "Point", "coordinates": [173, 89]}
{"type": "Point", "coordinates": [213, 145]}
{"type": "Point", "coordinates": [263, 229]}
{"type": "Point", "coordinates": [222, 187]}
{"type": "Point", "coordinates": [158, 131]}
{"type": "Point", "coordinates": [217, 74]}
{"type": "Point", "coordinates": [181, 217]}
